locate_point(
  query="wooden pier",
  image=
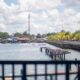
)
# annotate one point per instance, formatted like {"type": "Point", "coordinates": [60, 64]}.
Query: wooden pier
{"type": "Point", "coordinates": [56, 54]}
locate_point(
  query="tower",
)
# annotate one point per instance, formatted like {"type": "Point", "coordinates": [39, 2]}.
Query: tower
{"type": "Point", "coordinates": [29, 23]}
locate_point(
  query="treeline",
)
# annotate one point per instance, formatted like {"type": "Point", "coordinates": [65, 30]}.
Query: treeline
{"type": "Point", "coordinates": [5, 35]}
{"type": "Point", "coordinates": [63, 35]}
{"type": "Point", "coordinates": [24, 34]}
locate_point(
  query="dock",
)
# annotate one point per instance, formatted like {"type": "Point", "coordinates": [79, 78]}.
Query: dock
{"type": "Point", "coordinates": [56, 54]}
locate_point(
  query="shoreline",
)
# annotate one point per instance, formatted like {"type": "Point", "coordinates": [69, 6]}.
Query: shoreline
{"type": "Point", "coordinates": [75, 45]}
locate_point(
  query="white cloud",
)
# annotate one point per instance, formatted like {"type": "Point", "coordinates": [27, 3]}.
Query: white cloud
{"type": "Point", "coordinates": [71, 3]}
{"type": "Point", "coordinates": [2, 27]}
{"type": "Point", "coordinates": [45, 16]}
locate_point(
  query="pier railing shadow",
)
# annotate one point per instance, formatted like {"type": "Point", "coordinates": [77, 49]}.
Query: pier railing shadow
{"type": "Point", "coordinates": [53, 75]}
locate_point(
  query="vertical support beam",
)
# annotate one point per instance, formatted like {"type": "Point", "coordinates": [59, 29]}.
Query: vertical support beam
{"type": "Point", "coordinates": [46, 72]}
{"type": "Point", "coordinates": [64, 57]}
{"type": "Point", "coordinates": [35, 71]}
{"type": "Point", "coordinates": [78, 71]}
{"type": "Point", "coordinates": [56, 77]}
{"type": "Point", "coordinates": [55, 57]}
{"type": "Point", "coordinates": [51, 55]}
{"type": "Point", "coordinates": [24, 72]}
{"type": "Point", "coordinates": [67, 71]}
{"type": "Point", "coordinates": [59, 56]}
{"type": "Point", "coordinates": [3, 78]}
{"type": "Point", "coordinates": [46, 51]}
{"type": "Point", "coordinates": [41, 49]}
{"type": "Point", "coordinates": [51, 77]}
{"type": "Point", "coordinates": [13, 71]}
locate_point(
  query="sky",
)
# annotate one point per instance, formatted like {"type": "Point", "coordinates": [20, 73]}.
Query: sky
{"type": "Point", "coordinates": [46, 15]}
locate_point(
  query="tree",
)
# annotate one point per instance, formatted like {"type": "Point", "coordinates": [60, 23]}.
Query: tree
{"type": "Point", "coordinates": [38, 36]}
{"type": "Point", "coordinates": [4, 35]}
{"type": "Point", "coordinates": [63, 35]}
{"type": "Point", "coordinates": [76, 36]}
{"type": "Point", "coordinates": [17, 34]}
{"type": "Point", "coordinates": [25, 33]}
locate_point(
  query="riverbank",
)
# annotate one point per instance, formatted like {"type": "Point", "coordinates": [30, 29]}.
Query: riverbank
{"type": "Point", "coordinates": [75, 45]}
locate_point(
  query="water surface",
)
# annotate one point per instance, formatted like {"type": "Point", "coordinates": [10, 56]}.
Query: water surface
{"type": "Point", "coordinates": [31, 51]}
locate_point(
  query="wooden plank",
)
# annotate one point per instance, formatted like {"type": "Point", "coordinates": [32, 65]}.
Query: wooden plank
{"type": "Point", "coordinates": [8, 78]}
{"type": "Point", "coordinates": [53, 73]}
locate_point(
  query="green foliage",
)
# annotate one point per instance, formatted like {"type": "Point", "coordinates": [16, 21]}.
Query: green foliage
{"type": "Point", "coordinates": [17, 34]}
{"type": "Point", "coordinates": [25, 33]}
{"type": "Point", "coordinates": [4, 35]}
{"type": "Point", "coordinates": [76, 36]}
{"type": "Point", "coordinates": [65, 36]}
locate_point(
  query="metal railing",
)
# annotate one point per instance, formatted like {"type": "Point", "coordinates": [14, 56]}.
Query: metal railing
{"type": "Point", "coordinates": [53, 75]}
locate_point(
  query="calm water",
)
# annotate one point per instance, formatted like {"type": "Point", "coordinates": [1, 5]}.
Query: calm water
{"type": "Point", "coordinates": [30, 51]}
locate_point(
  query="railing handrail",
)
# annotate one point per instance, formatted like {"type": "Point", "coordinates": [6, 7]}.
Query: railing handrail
{"type": "Point", "coordinates": [40, 62]}
{"type": "Point", "coordinates": [24, 75]}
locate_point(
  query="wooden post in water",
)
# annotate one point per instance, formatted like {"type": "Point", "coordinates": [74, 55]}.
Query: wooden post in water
{"type": "Point", "coordinates": [55, 57]}
{"type": "Point", "coordinates": [51, 55]}
{"type": "Point", "coordinates": [41, 49]}
{"type": "Point", "coordinates": [64, 56]}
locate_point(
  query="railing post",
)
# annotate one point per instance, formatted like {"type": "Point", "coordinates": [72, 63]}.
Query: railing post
{"type": "Point", "coordinates": [35, 71]}
{"type": "Point", "coordinates": [56, 77]}
{"type": "Point", "coordinates": [46, 72]}
{"type": "Point", "coordinates": [51, 77]}
{"type": "Point", "coordinates": [78, 72]}
{"type": "Point", "coordinates": [64, 56]}
{"type": "Point", "coordinates": [3, 72]}
{"type": "Point", "coordinates": [24, 72]}
{"type": "Point", "coordinates": [41, 49]}
{"type": "Point", "coordinates": [55, 57]}
{"type": "Point", "coordinates": [67, 71]}
{"type": "Point", "coordinates": [12, 71]}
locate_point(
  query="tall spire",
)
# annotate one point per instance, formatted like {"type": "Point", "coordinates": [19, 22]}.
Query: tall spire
{"type": "Point", "coordinates": [28, 23]}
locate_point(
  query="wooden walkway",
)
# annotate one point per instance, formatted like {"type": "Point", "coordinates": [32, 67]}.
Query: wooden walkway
{"type": "Point", "coordinates": [55, 53]}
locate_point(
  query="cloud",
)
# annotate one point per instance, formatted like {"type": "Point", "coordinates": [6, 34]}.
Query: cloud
{"type": "Point", "coordinates": [2, 27]}
{"type": "Point", "coordinates": [71, 3]}
{"type": "Point", "coordinates": [46, 15]}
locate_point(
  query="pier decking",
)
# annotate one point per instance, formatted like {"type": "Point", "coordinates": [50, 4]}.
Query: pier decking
{"type": "Point", "coordinates": [55, 53]}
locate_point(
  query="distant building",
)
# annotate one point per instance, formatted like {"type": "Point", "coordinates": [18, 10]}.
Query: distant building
{"type": "Point", "coordinates": [17, 39]}
{"type": "Point", "coordinates": [22, 39]}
